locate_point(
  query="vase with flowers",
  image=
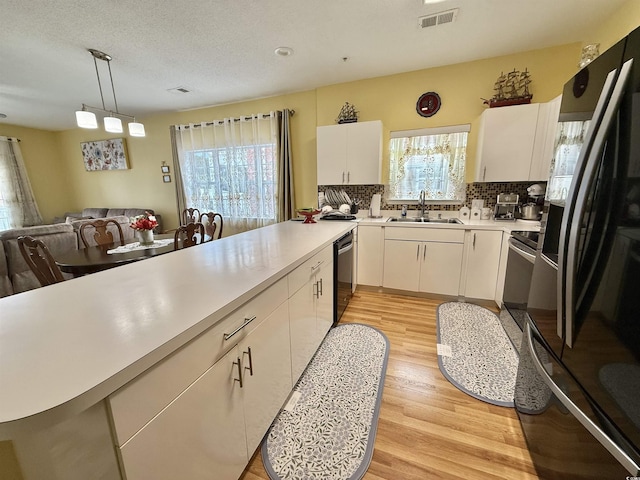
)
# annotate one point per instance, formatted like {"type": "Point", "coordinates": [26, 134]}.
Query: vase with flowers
{"type": "Point", "coordinates": [144, 225]}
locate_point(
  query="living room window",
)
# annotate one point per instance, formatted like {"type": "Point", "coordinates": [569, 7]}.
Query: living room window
{"type": "Point", "coordinates": [236, 182]}
{"type": "Point", "coordinates": [430, 160]}
{"type": "Point", "coordinates": [238, 167]}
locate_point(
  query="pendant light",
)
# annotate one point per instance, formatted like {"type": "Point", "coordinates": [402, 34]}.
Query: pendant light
{"type": "Point", "coordinates": [86, 118]}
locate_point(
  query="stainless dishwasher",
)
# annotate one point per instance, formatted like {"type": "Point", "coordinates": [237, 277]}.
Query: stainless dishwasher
{"type": "Point", "coordinates": [342, 274]}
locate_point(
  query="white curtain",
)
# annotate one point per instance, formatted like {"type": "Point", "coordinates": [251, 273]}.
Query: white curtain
{"type": "Point", "coordinates": [18, 206]}
{"type": "Point", "coordinates": [433, 163]}
{"type": "Point", "coordinates": [569, 139]}
{"type": "Point", "coordinates": [230, 167]}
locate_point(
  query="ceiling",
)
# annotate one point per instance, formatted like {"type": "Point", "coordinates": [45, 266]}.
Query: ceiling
{"type": "Point", "coordinates": [222, 51]}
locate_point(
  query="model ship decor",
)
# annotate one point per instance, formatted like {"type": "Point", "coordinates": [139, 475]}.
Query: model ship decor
{"type": "Point", "coordinates": [511, 89]}
{"type": "Point", "coordinates": [348, 114]}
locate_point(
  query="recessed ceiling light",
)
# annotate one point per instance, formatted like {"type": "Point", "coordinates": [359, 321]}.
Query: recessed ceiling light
{"type": "Point", "coordinates": [429, 2]}
{"type": "Point", "coordinates": [283, 51]}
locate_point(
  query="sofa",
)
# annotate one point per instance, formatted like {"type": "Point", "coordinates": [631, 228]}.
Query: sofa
{"type": "Point", "coordinates": [61, 236]}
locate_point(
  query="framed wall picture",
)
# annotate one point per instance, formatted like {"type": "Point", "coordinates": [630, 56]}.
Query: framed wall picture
{"type": "Point", "coordinates": [104, 155]}
{"type": "Point", "coordinates": [166, 178]}
{"type": "Point", "coordinates": [165, 168]}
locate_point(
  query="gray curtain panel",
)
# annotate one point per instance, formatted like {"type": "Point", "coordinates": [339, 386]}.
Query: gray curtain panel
{"type": "Point", "coordinates": [181, 201]}
{"type": "Point", "coordinates": [286, 199]}
{"type": "Point", "coordinates": [16, 187]}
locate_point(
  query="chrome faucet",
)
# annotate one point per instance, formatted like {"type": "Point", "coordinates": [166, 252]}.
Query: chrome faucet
{"type": "Point", "coordinates": [423, 197]}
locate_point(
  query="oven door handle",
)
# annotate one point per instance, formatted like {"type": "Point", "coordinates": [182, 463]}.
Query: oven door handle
{"type": "Point", "coordinates": [345, 249]}
{"type": "Point", "coordinates": [522, 250]}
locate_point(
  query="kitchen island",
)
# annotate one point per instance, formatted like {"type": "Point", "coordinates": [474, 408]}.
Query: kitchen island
{"type": "Point", "coordinates": [66, 348]}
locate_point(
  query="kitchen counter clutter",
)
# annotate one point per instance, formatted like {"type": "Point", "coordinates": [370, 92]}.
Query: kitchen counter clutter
{"type": "Point", "coordinates": [67, 350]}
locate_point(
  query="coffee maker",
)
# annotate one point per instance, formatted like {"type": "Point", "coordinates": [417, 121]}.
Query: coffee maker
{"type": "Point", "coordinates": [507, 207]}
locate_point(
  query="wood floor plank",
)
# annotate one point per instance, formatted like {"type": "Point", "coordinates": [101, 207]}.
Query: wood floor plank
{"type": "Point", "coordinates": [428, 429]}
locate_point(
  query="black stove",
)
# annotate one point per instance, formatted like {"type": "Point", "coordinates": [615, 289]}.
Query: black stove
{"type": "Point", "coordinates": [528, 238]}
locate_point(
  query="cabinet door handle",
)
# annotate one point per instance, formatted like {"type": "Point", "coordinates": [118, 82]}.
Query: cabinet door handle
{"type": "Point", "coordinates": [348, 177]}
{"type": "Point", "coordinates": [316, 290]}
{"type": "Point", "coordinates": [320, 287]}
{"type": "Point", "coordinates": [247, 321]}
{"type": "Point", "coordinates": [424, 252]}
{"type": "Point", "coordinates": [484, 173]}
{"type": "Point", "coordinates": [316, 266]}
{"type": "Point", "coordinates": [474, 241]}
{"type": "Point", "coordinates": [418, 253]}
{"type": "Point", "coordinates": [250, 367]}
{"type": "Point", "coordinates": [342, 177]}
{"type": "Point", "coordinates": [239, 379]}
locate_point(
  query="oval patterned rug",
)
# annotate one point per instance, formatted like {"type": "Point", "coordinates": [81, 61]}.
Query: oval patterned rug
{"type": "Point", "coordinates": [327, 429]}
{"type": "Point", "coordinates": [475, 353]}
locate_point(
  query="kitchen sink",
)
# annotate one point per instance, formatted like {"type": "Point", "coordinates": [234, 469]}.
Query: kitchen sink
{"type": "Point", "coordinates": [423, 220]}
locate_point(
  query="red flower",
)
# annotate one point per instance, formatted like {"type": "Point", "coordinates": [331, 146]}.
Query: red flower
{"type": "Point", "coordinates": [144, 222]}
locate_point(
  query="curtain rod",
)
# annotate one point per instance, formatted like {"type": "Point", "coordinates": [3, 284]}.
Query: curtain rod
{"type": "Point", "coordinates": [10, 139]}
{"type": "Point", "coordinates": [206, 124]}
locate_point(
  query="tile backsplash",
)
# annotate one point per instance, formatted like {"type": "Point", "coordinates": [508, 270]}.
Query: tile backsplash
{"type": "Point", "coordinates": [485, 191]}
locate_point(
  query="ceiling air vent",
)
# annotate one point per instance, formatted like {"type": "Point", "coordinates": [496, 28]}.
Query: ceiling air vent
{"type": "Point", "coordinates": [438, 18]}
{"type": "Point", "coordinates": [180, 89]}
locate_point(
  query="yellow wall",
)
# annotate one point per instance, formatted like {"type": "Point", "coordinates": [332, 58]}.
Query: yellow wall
{"type": "Point", "coordinates": [46, 168]}
{"type": "Point", "coordinates": [392, 99]}
{"type": "Point", "coordinates": [61, 184]}
{"type": "Point", "coordinates": [617, 26]}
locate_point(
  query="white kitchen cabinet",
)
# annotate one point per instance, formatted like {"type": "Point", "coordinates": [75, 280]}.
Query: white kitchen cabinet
{"type": "Point", "coordinates": [199, 435]}
{"type": "Point", "coordinates": [310, 308]}
{"type": "Point", "coordinates": [423, 259]}
{"type": "Point", "coordinates": [482, 251]}
{"type": "Point", "coordinates": [266, 371]}
{"type": "Point", "coordinates": [515, 143]}
{"type": "Point", "coordinates": [370, 254]}
{"type": "Point", "coordinates": [505, 143]}
{"type": "Point", "coordinates": [350, 153]}
{"type": "Point", "coordinates": [201, 410]}
{"type": "Point", "coordinates": [544, 145]}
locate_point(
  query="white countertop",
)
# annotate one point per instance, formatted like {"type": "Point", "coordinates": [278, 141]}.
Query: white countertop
{"type": "Point", "coordinates": [65, 347]}
{"type": "Point", "coordinates": [505, 226]}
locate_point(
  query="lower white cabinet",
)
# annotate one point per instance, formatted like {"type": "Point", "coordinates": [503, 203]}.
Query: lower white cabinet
{"type": "Point", "coordinates": [265, 362]}
{"type": "Point", "coordinates": [483, 249]}
{"type": "Point", "coordinates": [423, 259]}
{"type": "Point", "coordinates": [202, 412]}
{"type": "Point", "coordinates": [310, 308]}
{"type": "Point", "coordinates": [200, 435]}
{"type": "Point", "coordinates": [370, 254]}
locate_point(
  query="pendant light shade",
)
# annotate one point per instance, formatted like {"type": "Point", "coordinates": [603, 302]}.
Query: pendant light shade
{"type": "Point", "coordinates": [112, 125]}
{"type": "Point", "coordinates": [112, 121]}
{"type": "Point", "coordinates": [86, 119]}
{"type": "Point", "coordinates": [136, 129]}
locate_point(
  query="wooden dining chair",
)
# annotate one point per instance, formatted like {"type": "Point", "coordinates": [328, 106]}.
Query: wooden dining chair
{"type": "Point", "coordinates": [211, 226]}
{"type": "Point", "coordinates": [101, 235]}
{"type": "Point", "coordinates": [190, 215]}
{"type": "Point", "coordinates": [191, 234]}
{"type": "Point", "coordinates": [40, 261]}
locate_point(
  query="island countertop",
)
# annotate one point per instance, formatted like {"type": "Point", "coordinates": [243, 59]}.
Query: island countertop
{"type": "Point", "coordinates": [65, 347]}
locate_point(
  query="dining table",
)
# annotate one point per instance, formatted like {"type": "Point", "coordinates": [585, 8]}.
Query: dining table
{"type": "Point", "coordinates": [101, 257]}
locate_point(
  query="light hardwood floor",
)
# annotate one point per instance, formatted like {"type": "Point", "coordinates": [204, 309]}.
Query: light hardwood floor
{"type": "Point", "coordinates": [428, 429]}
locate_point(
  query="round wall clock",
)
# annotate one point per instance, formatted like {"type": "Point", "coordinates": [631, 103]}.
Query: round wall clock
{"type": "Point", "coordinates": [428, 104]}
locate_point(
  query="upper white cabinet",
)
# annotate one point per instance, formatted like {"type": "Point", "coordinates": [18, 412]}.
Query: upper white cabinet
{"type": "Point", "coordinates": [516, 143]}
{"type": "Point", "coordinates": [350, 153]}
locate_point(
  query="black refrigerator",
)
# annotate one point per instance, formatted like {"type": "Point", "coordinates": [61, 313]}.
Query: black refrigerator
{"type": "Point", "coordinates": [578, 386]}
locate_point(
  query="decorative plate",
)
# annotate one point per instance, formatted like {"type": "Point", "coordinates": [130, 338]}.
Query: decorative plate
{"type": "Point", "coordinates": [428, 104]}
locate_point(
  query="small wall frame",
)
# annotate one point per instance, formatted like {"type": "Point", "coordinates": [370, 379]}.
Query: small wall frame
{"type": "Point", "coordinates": [166, 178]}
{"type": "Point", "coordinates": [165, 168]}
